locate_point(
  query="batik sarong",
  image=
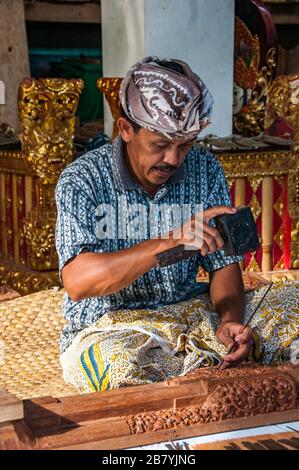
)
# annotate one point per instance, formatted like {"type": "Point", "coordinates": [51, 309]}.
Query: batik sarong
{"type": "Point", "coordinates": [136, 347]}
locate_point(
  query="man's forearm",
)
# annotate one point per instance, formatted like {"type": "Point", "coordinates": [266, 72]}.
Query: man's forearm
{"type": "Point", "coordinates": [98, 274]}
{"type": "Point", "coordinates": [227, 293]}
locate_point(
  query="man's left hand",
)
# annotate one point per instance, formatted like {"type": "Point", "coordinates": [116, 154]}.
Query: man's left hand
{"type": "Point", "coordinates": [230, 333]}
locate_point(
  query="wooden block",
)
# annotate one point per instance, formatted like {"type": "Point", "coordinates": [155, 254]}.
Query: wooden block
{"type": "Point", "coordinates": [59, 12]}
{"type": "Point", "coordinates": [11, 408]}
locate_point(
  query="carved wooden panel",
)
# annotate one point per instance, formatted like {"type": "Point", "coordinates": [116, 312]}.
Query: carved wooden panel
{"type": "Point", "coordinates": [204, 401]}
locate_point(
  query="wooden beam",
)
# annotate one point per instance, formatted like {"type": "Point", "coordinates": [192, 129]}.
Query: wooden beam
{"type": "Point", "coordinates": [284, 12]}
{"type": "Point", "coordinates": [285, 18]}
{"type": "Point", "coordinates": [63, 13]}
{"type": "Point", "coordinates": [11, 409]}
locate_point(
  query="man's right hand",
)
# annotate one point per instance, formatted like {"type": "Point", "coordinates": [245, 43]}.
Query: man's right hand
{"type": "Point", "coordinates": [99, 274]}
{"type": "Point", "coordinates": [199, 234]}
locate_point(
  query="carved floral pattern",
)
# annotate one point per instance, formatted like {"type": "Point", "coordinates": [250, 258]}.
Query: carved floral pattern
{"type": "Point", "coordinates": [239, 394]}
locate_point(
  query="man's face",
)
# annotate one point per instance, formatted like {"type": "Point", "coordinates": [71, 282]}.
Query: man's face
{"type": "Point", "coordinates": [154, 158]}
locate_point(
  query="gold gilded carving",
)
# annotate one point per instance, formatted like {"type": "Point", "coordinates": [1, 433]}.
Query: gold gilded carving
{"type": "Point", "coordinates": [251, 83]}
{"type": "Point", "coordinates": [26, 281]}
{"type": "Point", "coordinates": [258, 164]}
{"type": "Point", "coordinates": [39, 234]}
{"type": "Point", "coordinates": [110, 87]}
{"type": "Point", "coordinates": [47, 108]}
{"type": "Point", "coordinates": [279, 236]}
{"type": "Point", "coordinates": [282, 110]}
{"type": "Point", "coordinates": [13, 161]}
{"type": "Point", "coordinates": [38, 230]}
{"type": "Point", "coordinates": [253, 265]}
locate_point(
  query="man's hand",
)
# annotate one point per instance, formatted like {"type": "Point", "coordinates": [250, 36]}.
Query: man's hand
{"type": "Point", "coordinates": [230, 334]}
{"type": "Point", "coordinates": [198, 233]}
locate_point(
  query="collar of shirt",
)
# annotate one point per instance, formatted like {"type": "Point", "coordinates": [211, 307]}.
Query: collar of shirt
{"type": "Point", "coordinates": [124, 179]}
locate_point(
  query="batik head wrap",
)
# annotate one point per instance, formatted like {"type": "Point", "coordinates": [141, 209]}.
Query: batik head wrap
{"type": "Point", "coordinates": [166, 96]}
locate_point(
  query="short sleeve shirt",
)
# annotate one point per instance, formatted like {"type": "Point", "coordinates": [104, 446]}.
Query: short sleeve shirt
{"type": "Point", "coordinates": [102, 209]}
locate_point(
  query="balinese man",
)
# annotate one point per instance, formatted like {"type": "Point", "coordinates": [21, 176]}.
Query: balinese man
{"type": "Point", "coordinates": [128, 320]}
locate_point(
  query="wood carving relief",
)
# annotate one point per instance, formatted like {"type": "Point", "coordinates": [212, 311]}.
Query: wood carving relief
{"type": "Point", "coordinates": [233, 393]}
{"type": "Point", "coordinates": [204, 401]}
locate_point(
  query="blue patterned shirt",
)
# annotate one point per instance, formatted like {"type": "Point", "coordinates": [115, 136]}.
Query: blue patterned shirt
{"type": "Point", "coordinates": [101, 177]}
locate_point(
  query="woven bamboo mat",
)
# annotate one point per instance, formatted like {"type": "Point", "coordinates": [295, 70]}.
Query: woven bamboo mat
{"type": "Point", "coordinates": [29, 345]}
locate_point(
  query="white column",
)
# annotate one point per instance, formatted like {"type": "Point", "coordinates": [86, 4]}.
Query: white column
{"type": "Point", "coordinates": [14, 59]}
{"type": "Point", "coordinates": [201, 32]}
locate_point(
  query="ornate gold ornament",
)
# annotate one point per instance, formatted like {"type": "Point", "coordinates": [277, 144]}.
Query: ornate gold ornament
{"type": "Point", "coordinates": [282, 110]}
{"type": "Point", "coordinates": [47, 112]}
{"type": "Point", "coordinates": [110, 87]}
{"type": "Point", "coordinates": [47, 108]}
{"type": "Point", "coordinates": [39, 235]}
{"type": "Point", "coordinates": [251, 83]}
{"type": "Point", "coordinates": [28, 214]}
{"type": "Point", "coordinates": [26, 281]}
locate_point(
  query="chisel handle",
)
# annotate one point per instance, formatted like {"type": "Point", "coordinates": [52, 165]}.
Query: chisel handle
{"type": "Point", "coordinates": [173, 255]}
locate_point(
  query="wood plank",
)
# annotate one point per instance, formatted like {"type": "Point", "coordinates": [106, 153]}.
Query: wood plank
{"type": "Point", "coordinates": [59, 12]}
{"type": "Point", "coordinates": [80, 408]}
{"type": "Point", "coordinates": [11, 408]}
{"type": "Point", "coordinates": [128, 441]}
